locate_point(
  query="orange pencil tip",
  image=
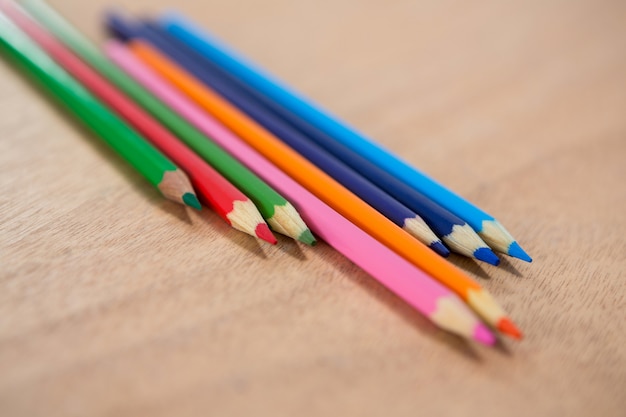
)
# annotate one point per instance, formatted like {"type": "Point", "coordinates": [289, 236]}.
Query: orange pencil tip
{"type": "Point", "coordinates": [506, 326]}
{"type": "Point", "coordinates": [264, 232]}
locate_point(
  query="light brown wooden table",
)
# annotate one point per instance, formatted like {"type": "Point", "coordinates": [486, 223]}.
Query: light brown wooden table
{"type": "Point", "coordinates": [114, 302]}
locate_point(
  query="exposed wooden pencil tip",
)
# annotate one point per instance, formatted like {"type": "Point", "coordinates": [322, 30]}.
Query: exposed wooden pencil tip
{"type": "Point", "coordinates": [516, 251]}
{"type": "Point", "coordinates": [175, 186]}
{"type": "Point", "coordinates": [192, 201]}
{"type": "Point", "coordinates": [307, 237]}
{"type": "Point", "coordinates": [262, 231]}
{"type": "Point", "coordinates": [287, 221]}
{"type": "Point", "coordinates": [245, 217]}
{"type": "Point", "coordinates": [506, 326]}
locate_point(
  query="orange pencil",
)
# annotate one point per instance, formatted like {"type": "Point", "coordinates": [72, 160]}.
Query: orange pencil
{"type": "Point", "coordinates": [329, 190]}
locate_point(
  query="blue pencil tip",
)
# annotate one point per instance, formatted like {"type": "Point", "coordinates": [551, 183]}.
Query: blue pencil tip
{"type": "Point", "coordinates": [486, 255]}
{"type": "Point", "coordinates": [440, 249]}
{"type": "Point", "coordinates": [516, 251]}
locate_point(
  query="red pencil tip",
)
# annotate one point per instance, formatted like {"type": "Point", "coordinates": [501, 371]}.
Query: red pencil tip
{"type": "Point", "coordinates": [506, 326]}
{"type": "Point", "coordinates": [264, 232]}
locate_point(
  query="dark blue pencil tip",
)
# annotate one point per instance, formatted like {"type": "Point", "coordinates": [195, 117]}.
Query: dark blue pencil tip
{"type": "Point", "coordinates": [440, 249]}
{"type": "Point", "coordinates": [117, 26]}
{"type": "Point", "coordinates": [516, 251]}
{"type": "Point", "coordinates": [486, 255]}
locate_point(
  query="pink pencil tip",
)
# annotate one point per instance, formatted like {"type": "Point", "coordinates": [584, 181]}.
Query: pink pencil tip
{"type": "Point", "coordinates": [264, 232]}
{"type": "Point", "coordinates": [483, 335]}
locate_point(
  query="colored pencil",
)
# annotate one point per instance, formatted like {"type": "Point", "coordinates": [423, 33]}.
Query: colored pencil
{"type": "Point", "coordinates": [154, 166]}
{"type": "Point", "coordinates": [455, 232]}
{"type": "Point", "coordinates": [232, 205]}
{"type": "Point", "coordinates": [328, 190]}
{"type": "Point", "coordinates": [459, 236]}
{"type": "Point", "coordinates": [398, 275]}
{"type": "Point", "coordinates": [302, 113]}
{"type": "Point", "coordinates": [392, 209]}
{"type": "Point", "coordinates": [277, 211]}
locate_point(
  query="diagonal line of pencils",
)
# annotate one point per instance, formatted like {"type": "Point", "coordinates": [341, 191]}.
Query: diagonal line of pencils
{"type": "Point", "coordinates": [189, 113]}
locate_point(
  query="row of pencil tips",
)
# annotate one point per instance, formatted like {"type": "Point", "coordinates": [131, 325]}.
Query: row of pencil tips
{"type": "Point", "coordinates": [203, 125]}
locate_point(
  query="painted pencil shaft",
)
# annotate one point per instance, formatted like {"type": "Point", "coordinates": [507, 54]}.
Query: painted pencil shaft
{"type": "Point", "coordinates": [157, 169]}
{"type": "Point", "coordinates": [301, 112]}
{"type": "Point", "coordinates": [456, 233]}
{"type": "Point", "coordinates": [278, 212]}
{"type": "Point", "coordinates": [398, 275]}
{"type": "Point", "coordinates": [228, 201]}
{"type": "Point", "coordinates": [325, 187]}
{"type": "Point", "coordinates": [392, 209]}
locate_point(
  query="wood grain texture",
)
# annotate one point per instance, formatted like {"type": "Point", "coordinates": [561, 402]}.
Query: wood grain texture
{"type": "Point", "coordinates": [116, 302]}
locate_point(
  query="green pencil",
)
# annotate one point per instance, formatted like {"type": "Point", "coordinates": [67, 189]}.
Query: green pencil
{"type": "Point", "coordinates": [158, 170]}
{"type": "Point", "coordinates": [278, 212]}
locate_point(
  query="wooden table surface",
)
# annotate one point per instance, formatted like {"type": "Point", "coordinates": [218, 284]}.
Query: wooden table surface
{"type": "Point", "coordinates": [114, 302]}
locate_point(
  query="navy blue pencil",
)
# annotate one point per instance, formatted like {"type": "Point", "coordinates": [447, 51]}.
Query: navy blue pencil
{"type": "Point", "coordinates": [388, 206]}
{"type": "Point", "coordinates": [299, 112]}
{"type": "Point", "coordinates": [455, 232]}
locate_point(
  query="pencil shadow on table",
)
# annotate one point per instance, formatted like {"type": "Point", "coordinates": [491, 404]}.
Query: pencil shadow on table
{"type": "Point", "coordinates": [290, 247]}
{"type": "Point", "coordinates": [210, 218]}
{"type": "Point", "coordinates": [179, 211]}
{"type": "Point", "coordinates": [135, 179]}
{"type": "Point", "coordinates": [508, 267]}
{"type": "Point", "coordinates": [502, 348]}
{"type": "Point", "coordinates": [412, 317]}
{"type": "Point", "coordinates": [468, 265]}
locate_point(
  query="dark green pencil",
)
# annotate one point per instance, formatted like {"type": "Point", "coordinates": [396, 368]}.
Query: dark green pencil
{"type": "Point", "coordinates": [278, 212]}
{"type": "Point", "coordinates": [158, 170]}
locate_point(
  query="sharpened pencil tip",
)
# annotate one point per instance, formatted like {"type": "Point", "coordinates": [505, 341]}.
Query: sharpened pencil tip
{"type": "Point", "coordinates": [487, 255]}
{"type": "Point", "coordinates": [483, 335]}
{"type": "Point", "coordinates": [192, 201]}
{"type": "Point", "coordinates": [506, 326]}
{"type": "Point", "coordinates": [440, 249]}
{"type": "Point", "coordinates": [263, 232]}
{"type": "Point", "coordinates": [307, 237]}
{"type": "Point", "coordinates": [516, 251]}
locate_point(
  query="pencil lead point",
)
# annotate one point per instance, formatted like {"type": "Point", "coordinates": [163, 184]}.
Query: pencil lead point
{"type": "Point", "coordinates": [506, 326]}
{"type": "Point", "coordinates": [307, 237]}
{"type": "Point", "coordinates": [483, 335]}
{"type": "Point", "coordinates": [263, 232]}
{"type": "Point", "coordinates": [516, 251]}
{"type": "Point", "coordinates": [192, 201]}
{"type": "Point", "coordinates": [486, 255]}
{"type": "Point", "coordinates": [440, 249]}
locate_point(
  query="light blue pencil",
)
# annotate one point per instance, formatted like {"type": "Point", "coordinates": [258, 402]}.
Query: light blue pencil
{"type": "Point", "coordinates": [300, 112]}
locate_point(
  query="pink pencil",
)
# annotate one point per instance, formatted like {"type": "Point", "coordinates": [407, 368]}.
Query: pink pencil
{"type": "Point", "coordinates": [426, 295]}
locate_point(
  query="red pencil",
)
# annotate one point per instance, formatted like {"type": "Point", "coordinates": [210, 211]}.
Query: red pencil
{"type": "Point", "coordinates": [227, 200]}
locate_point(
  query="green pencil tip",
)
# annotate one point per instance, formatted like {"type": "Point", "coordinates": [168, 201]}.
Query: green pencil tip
{"type": "Point", "coordinates": [307, 237]}
{"type": "Point", "coordinates": [192, 201]}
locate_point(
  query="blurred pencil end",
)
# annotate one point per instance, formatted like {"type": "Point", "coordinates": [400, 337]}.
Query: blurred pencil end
{"type": "Point", "coordinates": [506, 326]}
